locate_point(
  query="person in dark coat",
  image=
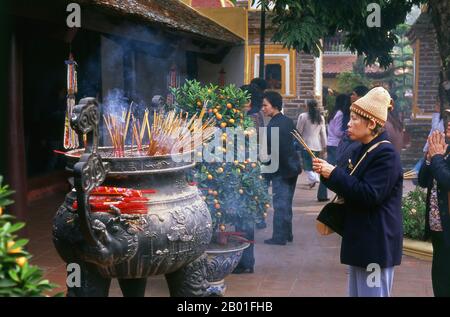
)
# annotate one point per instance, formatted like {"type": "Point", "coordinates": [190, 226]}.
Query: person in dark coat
{"type": "Point", "coordinates": [261, 83]}
{"type": "Point", "coordinates": [372, 238]}
{"type": "Point", "coordinates": [435, 176]}
{"type": "Point", "coordinates": [247, 262]}
{"type": "Point", "coordinates": [254, 106]}
{"type": "Point", "coordinates": [394, 126]}
{"type": "Point", "coordinates": [284, 178]}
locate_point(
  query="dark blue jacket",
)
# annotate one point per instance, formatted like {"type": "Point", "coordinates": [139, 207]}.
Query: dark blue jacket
{"type": "Point", "coordinates": [289, 160]}
{"type": "Point", "coordinates": [373, 229]}
{"type": "Point", "coordinates": [439, 169]}
{"type": "Point", "coordinates": [344, 150]}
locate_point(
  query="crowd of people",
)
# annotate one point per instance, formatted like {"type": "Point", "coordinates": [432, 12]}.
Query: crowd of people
{"type": "Point", "coordinates": [355, 153]}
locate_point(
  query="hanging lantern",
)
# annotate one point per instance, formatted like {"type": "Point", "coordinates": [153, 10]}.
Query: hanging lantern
{"type": "Point", "coordinates": [222, 77]}
{"type": "Point", "coordinates": [70, 136]}
{"type": "Point", "coordinates": [173, 81]}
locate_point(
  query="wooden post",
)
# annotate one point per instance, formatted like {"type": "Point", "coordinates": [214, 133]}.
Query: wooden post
{"type": "Point", "coordinates": [5, 27]}
{"type": "Point", "coordinates": [15, 143]}
{"type": "Point", "coordinates": [262, 42]}
{"type": "Point", "coordinates": [222, 77]}
{"type": "Point", "coordinates": [129, 73]}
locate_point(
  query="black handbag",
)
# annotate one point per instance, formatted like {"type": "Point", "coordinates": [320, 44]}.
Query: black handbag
{"type": "Point", "coordinates": [332, 216]}
{"type": "Point", "coordinates": [331, 219]}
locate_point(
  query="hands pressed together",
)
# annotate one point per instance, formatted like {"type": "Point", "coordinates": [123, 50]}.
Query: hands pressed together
{"type": "Point", "coordinates": [322, 167]}
{"type": "Point", "coordinates": [436, 144]}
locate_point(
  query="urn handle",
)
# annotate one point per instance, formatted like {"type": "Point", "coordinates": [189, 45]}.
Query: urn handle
{"type": "Point", "coordinates": [90, 171]}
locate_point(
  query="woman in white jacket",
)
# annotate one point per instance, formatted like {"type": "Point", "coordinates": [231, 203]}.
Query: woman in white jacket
{"type": "Point", "coordinates": [311, 126]}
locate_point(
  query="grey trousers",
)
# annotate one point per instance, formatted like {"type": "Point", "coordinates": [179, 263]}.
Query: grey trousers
{"type": "Point", "coordinates": [363, 283]}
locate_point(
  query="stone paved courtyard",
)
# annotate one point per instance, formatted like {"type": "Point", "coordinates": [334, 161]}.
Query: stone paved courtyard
{"type": "Point", "coordinates": [307, 267]}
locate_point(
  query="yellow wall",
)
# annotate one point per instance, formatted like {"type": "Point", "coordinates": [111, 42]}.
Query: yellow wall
{"type": "Point", "coordinates": [233, 19]}
{"type": "Point", "coordinates": [269, 50]}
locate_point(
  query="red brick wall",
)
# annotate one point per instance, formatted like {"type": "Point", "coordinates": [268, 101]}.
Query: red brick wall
{"type": "Point", "coordinates": [254, 23]}
{"type": "Point", "coordinates": [305, 77]}
{"type": "Point", "coordinates": [429, 62]}
{"type": "Point", "coordinates": [427, 88]}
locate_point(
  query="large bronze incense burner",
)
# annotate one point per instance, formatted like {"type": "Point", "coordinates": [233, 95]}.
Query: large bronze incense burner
{"type": "Point", "coordinates": [129, 218]}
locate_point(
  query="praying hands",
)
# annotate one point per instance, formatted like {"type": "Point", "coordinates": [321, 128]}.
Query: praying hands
{"type": "Point", "coordinates": [437, 144]}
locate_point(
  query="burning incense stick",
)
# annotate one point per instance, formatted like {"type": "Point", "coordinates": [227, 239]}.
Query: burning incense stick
{"type": "Point", "coordinates": [135, 135]}
{"type": "Point", "coordinates": [411, 174]}
{"type": "Point", "coordinates": [115, 130]}
{"type": "Point", "coordinates": [127, 122]}
{"type": "Point", "coordinates": [299, 138]}
{"type": "Point", "coordinates": [144, 124]}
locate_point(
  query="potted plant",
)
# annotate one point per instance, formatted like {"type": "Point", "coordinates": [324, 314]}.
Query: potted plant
{"type": "Point", "coordinates": [17, 276]}
{"type": "Point", "coordinates": [235, 191]}
{"type": "Point", "coordinates": [413, 209]}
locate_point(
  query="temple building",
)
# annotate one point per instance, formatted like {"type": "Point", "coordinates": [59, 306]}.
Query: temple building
{"type": "Point", "coordinates": [137, 48]}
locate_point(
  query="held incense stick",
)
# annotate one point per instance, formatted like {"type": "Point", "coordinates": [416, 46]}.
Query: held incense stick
{"type": "Point", "coordinates": [299, 138]}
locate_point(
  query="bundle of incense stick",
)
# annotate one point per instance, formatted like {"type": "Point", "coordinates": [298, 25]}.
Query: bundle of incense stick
{"type": "Point", "coordinates": [411, 174]}
{"type": "Point", "coordinates": [195, 132]}
{"type": "Point", "coordinates": [169, 132]}
{"type": "Point", "coordinates": [173, 132]}
{"type": "Point", "coordinates": [127, 122]}
{"type": "Point", "coordinates": [116, 129]}
{"type": "Point", "coordinates": [299, 138]}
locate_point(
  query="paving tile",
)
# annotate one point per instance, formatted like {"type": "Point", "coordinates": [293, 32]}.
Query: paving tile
{"type": "Point", "coordinates": [276, 285]}
{"type": "Point", "coordinates": [273, 293]}
{"type": "Point", "coordinates": [48, 260]}
{"type": "Point", "coordinates": [157, 287]}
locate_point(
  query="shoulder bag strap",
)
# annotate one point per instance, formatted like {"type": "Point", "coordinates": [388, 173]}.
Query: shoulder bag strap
{"type": "Point", "coordinates": [373, 147]}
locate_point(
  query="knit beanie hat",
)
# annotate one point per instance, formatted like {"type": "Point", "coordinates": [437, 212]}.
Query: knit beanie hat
{"type": "Point", "coordinates": [374, 105]}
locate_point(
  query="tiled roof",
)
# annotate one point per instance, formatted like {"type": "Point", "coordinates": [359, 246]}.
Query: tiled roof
{"type": "Point", "coordinates": [169, 14]}
{"type": "Point", "coordinates": [336, 64]}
